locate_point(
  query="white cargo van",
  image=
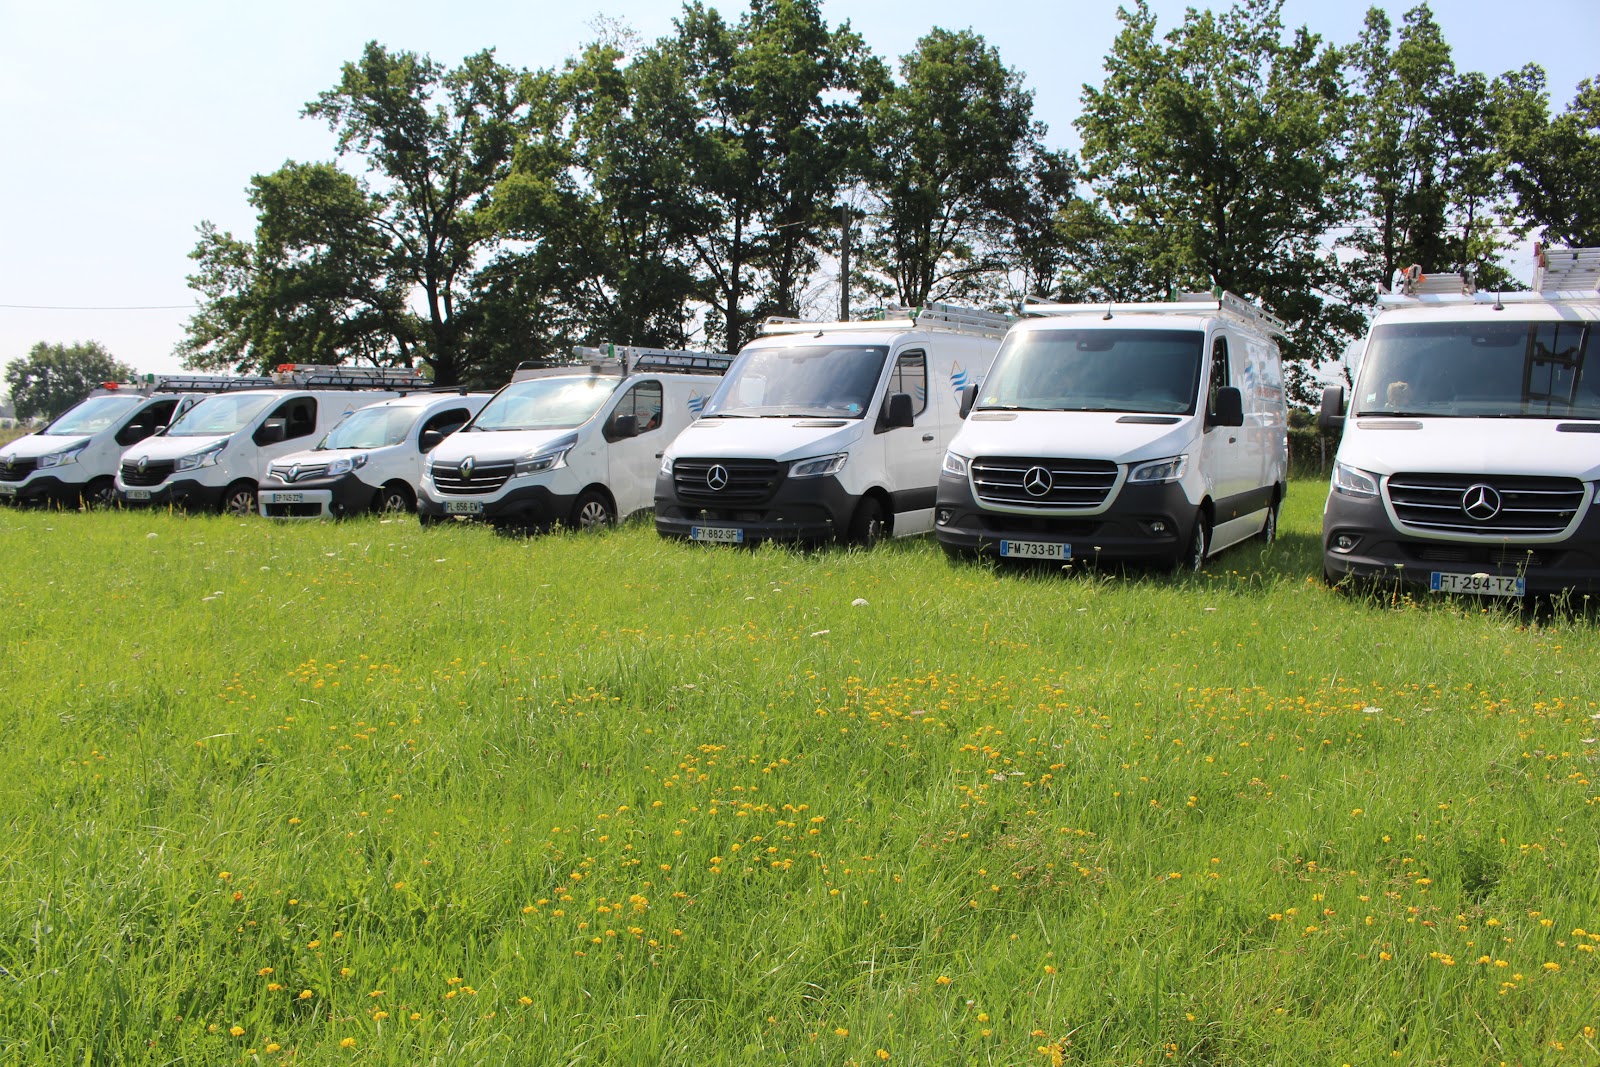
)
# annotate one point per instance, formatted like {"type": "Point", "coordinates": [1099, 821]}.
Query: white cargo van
{"type": "Point", "coordinates": [213, 457]}
{"type": "Point", "coordinates": [1154, 432]}
{"type": "Point", "coordinates": [372, 461]}
{"type": "Point", "coordinates": [827, 431]}
{"type": "Point", "coordinates": [571, 444]}
{"type": "Point", "coordinates": [1471, 450]}
{"type": "Point", "coordinates": [73, 461]}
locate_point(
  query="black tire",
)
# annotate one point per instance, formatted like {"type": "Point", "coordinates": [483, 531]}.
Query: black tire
{"type": "Point", "coordinates": [1194, 556]}
{"type": "Point", "coordinates": [395, 498]}
{"type": "Point", "coordinates": [239, 500]}
{"type": "Point", "coordinates": [99, 495]}
{"type": "Point", "coordinates": [869, 525]}
{"type": "Point", "coordinates": [1269, 532]}
{"type": "Point", "coordinates": [592, 512]}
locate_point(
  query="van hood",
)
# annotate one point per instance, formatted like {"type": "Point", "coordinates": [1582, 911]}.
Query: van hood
{"type": "Point", "coordinates": [492, 446]}
{"type": "Point", "coordinates": [1109, 435]}
{"type": "Point", "coordinates": [782, 439]}
{"type": "Point", "coordinates": [1471, 446]}
{"type": "Point", "coordinates": [37, 444]}
{"type": "Point", "coordinates": [157, 449]}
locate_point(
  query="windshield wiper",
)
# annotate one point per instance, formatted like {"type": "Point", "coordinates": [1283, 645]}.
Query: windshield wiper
{"type": "Point", "coordinates": [1012, 407]}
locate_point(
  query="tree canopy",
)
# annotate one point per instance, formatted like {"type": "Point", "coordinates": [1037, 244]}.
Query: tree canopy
{"type": "Point", "coordinates": [54, 377]}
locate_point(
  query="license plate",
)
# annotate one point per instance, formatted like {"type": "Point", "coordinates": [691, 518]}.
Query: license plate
{"type": "Point", "coordinates": [283, 498]}
{"type": "Point", "coordinates": [1477, 584]}
{"type": "Point", "coordinates": [1035, 549]}
{"type": "Point", "coordinates": [137, 494]}
{"type": "Point", "coordinates": [463, 507]}
{"type": "Point", "coordinates": [725, 535]}
{"type": "Point", "coordinates": [8, 490]}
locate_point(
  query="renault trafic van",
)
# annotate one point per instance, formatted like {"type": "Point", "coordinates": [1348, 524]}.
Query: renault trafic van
{"type": "Point", "coordinates": [827, 431]}
{"type": "Point", "coordinates": [1471, 451]}
{"type": "Point", "coordinates": [1154, 432]}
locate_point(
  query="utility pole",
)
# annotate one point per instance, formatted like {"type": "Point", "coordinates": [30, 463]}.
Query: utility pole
{"type": "Point", "coordinates": [844, 262]}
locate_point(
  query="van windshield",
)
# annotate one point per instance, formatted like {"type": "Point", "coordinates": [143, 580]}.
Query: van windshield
{"type": "Point", "coordinates": [92, 415]}
{"type": "Point", "coordinates": [545, 404]}
{"type": "Point", "coordinates": [1493, 370]}
{"type": "Point", "coordinates": [829, 381]}
{"type": "Point", "coordinates": [374, 427]}
{"type": "Point", "coordinates": [225, 413]}
{"type": "Point", "coordinates": [1150, 371]}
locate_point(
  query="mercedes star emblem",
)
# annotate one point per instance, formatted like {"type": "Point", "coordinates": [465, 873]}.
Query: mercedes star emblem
{"type": "Point", "coordinates": [466, 467]}
{"type": "Point", "coordinates": [717, 477]}
{"type": "Point", "coordinates": [1481, 502]}
{"type": "Point", "coordinates": [1037, 481]}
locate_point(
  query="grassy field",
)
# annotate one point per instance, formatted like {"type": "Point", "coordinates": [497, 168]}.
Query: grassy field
{"type": "Point", "coordinates": [372, 794]}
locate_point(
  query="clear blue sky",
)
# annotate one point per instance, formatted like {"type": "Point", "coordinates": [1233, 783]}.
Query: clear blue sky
{"type": "Point", "coordinates": [126, 124]}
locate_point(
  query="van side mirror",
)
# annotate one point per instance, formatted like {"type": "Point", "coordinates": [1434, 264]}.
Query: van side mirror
{"type": "Point", "coordinates": [1230, 407]}
{"type": "Point", "coordinates": [969, 397]}
{"type": "Point", "coordinates": [898, 411]}
{"type": "Point", "coordinates": [623, 426]}
{"type": "Point", "coordinates": [430, 440]}
{"type": "Point", "coordinates": [272, 431]}
{"type": "Point", "coordinates": [1331, 416]}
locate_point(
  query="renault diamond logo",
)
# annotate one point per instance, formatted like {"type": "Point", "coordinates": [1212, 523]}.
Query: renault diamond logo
{"type": "Point", "coordinates": [466, 467]}
{"type": "Point", "coordinates": [144, 464]}
{"type": "Point", "coordinates": [294, 473]}
{"type": "Point", "coordinates": [717, 477]}
{"type": "Point", "coordinates": [1481, 502]}
{"type": "Point", "coordinates": [1037, 481]}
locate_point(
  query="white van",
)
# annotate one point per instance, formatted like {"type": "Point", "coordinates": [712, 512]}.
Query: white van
{"type": "Point", "coordinates": [212, 458]}
{"type": "Point", "coordinates": [1471, 451]}
{"type": "Point", "coordinates": [1153, 432]}
{"type": "Point", "coordinates": [827, 431]}
{"type": "Point", "coordinates": [567, 443]}
{"type": "Point", "coordinates": [73, 461]}
{"type": "Point", "coordinates": [372, 461]}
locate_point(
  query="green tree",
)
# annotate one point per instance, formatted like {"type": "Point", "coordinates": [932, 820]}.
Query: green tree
{"type": "Point", "coordinates": [1217, 152]}
{"type": "Point", "coordinates": [53, 377]}
{"type": "Point", "coordinates": [1550, 164]}
{"type": "Point", "coordinates": [958, 169]}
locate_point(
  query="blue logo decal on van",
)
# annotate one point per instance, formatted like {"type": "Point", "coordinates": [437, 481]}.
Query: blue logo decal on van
{"type": "Point", "coordinates": [958, 378]}
{"type": "Point", "coordinates": [697, 403]}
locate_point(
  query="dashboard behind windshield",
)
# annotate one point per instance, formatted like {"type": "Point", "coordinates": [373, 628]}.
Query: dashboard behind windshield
{"type": "Point", "coordinates": [1503, 369]}
{"type": "Point", "coordinates": [225, 413]}
{"type": "Point", "coordinates": [545, 404]}
{"type": "Point", "coordinates": [1153, 371]}
{"type": "Point", "coordinates": [828, 381]}
{"type": "Point", "coordinates": [92, 415]}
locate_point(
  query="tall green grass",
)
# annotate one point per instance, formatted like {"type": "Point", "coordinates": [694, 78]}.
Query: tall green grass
{"type": "Point", "coordinates": [369, 793]}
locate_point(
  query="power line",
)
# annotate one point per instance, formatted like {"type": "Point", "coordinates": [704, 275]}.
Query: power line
{"type": "Point", "coordinates": [123, 307]}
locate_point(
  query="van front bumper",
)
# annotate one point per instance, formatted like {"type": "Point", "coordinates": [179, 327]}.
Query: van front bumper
{"type": "Point", "coordinates": [180, 494]}
{"type": "Point", "coordinates": [42, 491]}
{"type": "Point", "coordinates": [315, 498]}
{"type": "Point", "coordinates": [799, 509]}
{"type": "Point", "coordinates": [1359, 541]}
{"type": "Point", "coordinates": [1145, 524]}
{"type": "Point", "coordinates": [534, 506]}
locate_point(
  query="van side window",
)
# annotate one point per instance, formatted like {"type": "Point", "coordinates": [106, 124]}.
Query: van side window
{"type": "Point", "coordinates": [299, 416]}
{"type": "Point", "coordinates": [445, 422]}
{"type": "Point", "coordinates": [910, 375]}
{"type": "Point", "coordinates": [144, 423]}
{"type": "Point", "coordinates": [1219, 372]}
{"type": "Point", "coordinates": [643, 402]}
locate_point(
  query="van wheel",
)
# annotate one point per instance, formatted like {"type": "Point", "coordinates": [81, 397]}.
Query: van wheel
{"type": "Point", "coordinates": [869, 526]}
{"type": "Point", "coordinates": [592, 512]}
{"type": "Point", "coordinates": [393, 499]}
{"type": "Point", "coordinates": [1269, 531]}
{"type": "Point", "coordinates": [240, 499]}
{"type": "Point", "coordinates": [98, 495]}
{"type": "Point", "coordinates": [1194, 558]}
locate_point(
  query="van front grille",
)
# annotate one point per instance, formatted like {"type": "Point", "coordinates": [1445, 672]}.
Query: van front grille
{"type": "Point", "coordinates": [725, 482]}
{"type": "Point", "coordinates": [1022, 482]}
{"type": "Point", "coordinates": [152, 474]}
{"type": "Point", "coordinates": [480, 478]}
{"type": "Point", "coordinates": [1502, 505]}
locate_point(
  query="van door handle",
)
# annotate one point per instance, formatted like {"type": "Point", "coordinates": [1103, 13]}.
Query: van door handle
{"type": "Point", "coordinates": [927, 437]}
{"type": "Point", "coordinates": [660, 454]}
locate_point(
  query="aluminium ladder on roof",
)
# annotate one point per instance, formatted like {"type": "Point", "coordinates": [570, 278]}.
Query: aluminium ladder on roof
{"type": "Point", "coordinates": [208, 383]}
{"type": "Point", "coordinates": [1222, 303]}
{"type": "Point", "coordinates": [1566, 270]}
{"type": "Point", "coordinates": [950, 318]}
{"type": "Point", "coordinates": [622, 360]}
{"type": "Point", "coordinates": [1560, 276]}
{"type": "Point", "coordinates": [329, 376]}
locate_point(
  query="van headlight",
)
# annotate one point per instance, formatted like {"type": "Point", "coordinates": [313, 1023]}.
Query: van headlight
{"type": "Point", "coordinates": [1351, 481]}
{"type": "Point", "coordinates": [346, 464]}
{"type": "Point", "coordinates": [61, 459]}
{"type": "Point", "coordinates": [206, 457]}
{"type": "Point", "coordinates": [545, 459]}
{"type": "Point", "coordinates": [1157, 471]}
{"type": "Point", "coordinates": [955, 464]}
{"type": "Point", "coordinates": [818, 467]}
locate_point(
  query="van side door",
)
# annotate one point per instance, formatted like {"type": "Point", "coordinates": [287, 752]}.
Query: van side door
{"type": "Point", "coordinates": [912, 454]}
{"type": "Point", "coordinates": [635, 437]}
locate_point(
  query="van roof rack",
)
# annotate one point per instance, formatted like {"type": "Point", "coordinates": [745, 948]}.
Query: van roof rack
{"type": "Point", "coordinates": [623, 360]}
{"type": "Point", "coordinates": [1560, 276]}
{"type": "Point", "coordinates": [328, 376]}
{"type": "Point", "coordinates": [952, 318]}
{"type": "Point", "coordinates": [1566, 270]}
{"type": "Point", "coordinates": [1217, 302]}
{"type": "Point", "coordinates": [205, 383]}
